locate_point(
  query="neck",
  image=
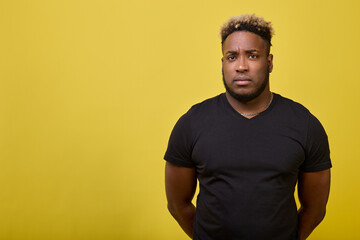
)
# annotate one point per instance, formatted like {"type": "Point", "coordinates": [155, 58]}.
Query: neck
{"type": "Point", "coordinates": [251, 108]}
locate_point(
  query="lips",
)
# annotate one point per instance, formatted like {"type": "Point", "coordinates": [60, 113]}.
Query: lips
{"type": "Point", "coordinates": [242, 80]}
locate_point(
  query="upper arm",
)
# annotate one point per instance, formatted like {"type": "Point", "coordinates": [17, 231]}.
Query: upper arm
{"type": "Point", "coordinates": [180, 184]}
{"type": "Point", "coordinates": [313, 188]}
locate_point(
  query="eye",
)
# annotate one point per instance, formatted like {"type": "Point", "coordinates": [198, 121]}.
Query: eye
{"type": "Point", "coordinates": [253, 56]}
{"type": "Point", "coordinates": [231, 57]}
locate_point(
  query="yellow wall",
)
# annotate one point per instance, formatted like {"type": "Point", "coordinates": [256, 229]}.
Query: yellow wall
{"type": "Point", "coordinates": [90, 90]}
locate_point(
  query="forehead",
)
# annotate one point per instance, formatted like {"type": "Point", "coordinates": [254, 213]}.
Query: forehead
{"type": "Point", "coordinates": [242, 40]}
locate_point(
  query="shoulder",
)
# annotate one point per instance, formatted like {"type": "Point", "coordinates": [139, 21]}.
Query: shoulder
{"type": "Point", "coordinates": [299, 116]}
{"type": "Point", "coordinates": [187, 130]}
{"type": "Point", "coordinates": [292, 108]}
{"type": "Point", "coordinates": [204, 108]}
{"type": "Point", "coordinates": [207, 104]}
{"type": "Point", "coordinates": [196, 115]}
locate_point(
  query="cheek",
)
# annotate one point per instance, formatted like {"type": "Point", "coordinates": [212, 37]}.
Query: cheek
{"type": "Point", "coordinates": [227, 75]}
{"type": "Point", "coordinates": [227, 69]}
{"type": "Point", "coordinates": [261, 70]}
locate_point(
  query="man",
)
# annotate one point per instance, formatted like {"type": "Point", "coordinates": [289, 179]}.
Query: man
{"type": "Point", "coordinates": [248, 147]}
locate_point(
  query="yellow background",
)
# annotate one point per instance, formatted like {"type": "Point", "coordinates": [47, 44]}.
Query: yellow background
{"type": "Point", "coordinates": [90, 90]}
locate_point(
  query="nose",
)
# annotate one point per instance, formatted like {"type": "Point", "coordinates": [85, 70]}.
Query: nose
{"type": "Point", "coordinates": [242, 65]}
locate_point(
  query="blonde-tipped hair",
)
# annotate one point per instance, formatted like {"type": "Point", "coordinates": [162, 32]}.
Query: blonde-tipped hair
{"type": "Point", "coordinates": [249, 23]}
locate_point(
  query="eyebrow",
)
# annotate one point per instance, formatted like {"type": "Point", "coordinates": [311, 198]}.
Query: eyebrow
{"type": "Point", "coordinates": [231, 52]}
{"type": "Point", "coordinates": [247, 51]}
{"type": "Point", "coordinates": [251, 51]}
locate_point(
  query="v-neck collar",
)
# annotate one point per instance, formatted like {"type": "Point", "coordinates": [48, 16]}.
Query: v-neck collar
{"type": "Point", "coordinates": [233, 112]}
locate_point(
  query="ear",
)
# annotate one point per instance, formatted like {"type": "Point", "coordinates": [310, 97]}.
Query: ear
{"type": "Point", "coordinates": [270, 62]}
{"type": "Point", "coordinates": [222, 66]}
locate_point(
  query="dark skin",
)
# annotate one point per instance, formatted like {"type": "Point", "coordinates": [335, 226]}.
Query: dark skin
{"type": "Point", "coordinates": [180, 185]}
{"type": "Point", "coordinates": [313, 190]}
{"type": "Point", "coordinates": [240, 59]}
{"type": "Point", "coordinates": [246, 64]}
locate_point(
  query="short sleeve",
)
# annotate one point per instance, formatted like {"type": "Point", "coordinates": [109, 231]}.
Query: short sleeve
{"type": "Point", "coordinates": [317, 156]}
{"type": "Point", "coordinates": [180, 144]}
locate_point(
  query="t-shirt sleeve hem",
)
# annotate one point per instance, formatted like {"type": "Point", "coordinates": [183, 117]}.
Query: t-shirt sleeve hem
{"type": "Point", "coordinates": [318, 168]}
{"type": "Point", "coordinates": [178, 162]}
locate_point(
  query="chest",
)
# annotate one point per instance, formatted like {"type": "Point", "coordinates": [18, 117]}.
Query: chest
{"type": "Point", "coordinates": [239, 149]}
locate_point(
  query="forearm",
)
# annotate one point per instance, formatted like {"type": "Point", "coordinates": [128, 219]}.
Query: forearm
{"type": "Point", "coordinates": [184, 215]}
{"type": "Point", "coordinates": [309, 218]}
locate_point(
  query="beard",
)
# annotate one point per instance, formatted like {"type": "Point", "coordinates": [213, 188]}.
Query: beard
{"type": "Point", "coordinates": [249, 96]}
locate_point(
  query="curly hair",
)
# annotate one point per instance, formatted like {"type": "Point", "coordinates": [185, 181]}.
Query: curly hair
{"type": "Point", "coordinates": [249, 23]}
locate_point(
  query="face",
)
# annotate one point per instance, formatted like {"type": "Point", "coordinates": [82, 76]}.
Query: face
{"type": "Point", "coordinates": [246, 65]}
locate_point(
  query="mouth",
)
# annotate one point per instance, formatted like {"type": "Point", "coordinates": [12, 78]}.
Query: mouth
{"type": "Point", "coordinates": [242, 80]}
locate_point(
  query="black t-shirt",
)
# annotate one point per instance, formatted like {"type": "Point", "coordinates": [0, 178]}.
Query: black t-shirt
{"type": "Point", "coordinates": [248, 168]}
